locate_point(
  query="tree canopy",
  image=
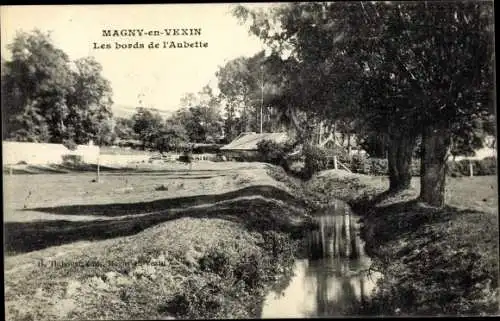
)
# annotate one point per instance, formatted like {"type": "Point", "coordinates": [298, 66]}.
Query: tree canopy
{"type": "Point", "coordinates": [48, 98]}
{"type": "Point", "coordinates": [402, 70]}
{"type": "Point", "coordinates": [147, 126]}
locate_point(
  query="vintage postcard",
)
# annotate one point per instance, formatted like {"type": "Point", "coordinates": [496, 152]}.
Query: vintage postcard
{"type": "Point", "coordinates": [244, 160]}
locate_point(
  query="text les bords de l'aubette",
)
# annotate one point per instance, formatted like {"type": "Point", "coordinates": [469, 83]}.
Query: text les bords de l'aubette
{"type": "Point", "coordinates": [150, 44]}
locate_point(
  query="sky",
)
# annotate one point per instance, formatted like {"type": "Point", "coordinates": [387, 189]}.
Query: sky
{"type": "Point", "coordinates": [158, 77]}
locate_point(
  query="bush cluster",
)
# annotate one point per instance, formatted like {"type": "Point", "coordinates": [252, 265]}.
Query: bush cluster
{"type": "Point", "coordinates": [379, 166]}
{"type": "Point", "coordinates": [231, 273]}
{"type": "Point", "coordinates": [316, 159]}
{"type": "Point", "coordinates": [281, 249]}
{"type": "Point", "coordinates": [273, 152]}
{"type": "Point", "coordinates": [204, 298]}
{"type": "Point", "coordinates": [70, 144]}
{"type": "Point", "coordinates": [207, 149]}
{"type": "Point", "coordinates": [483, 167]}
{"type": "Point", "coordinates": [370, 166]}
{"type": "Point", "coordinates": [185, 158]}
{"type": "Point", "coordinates": [72, 160]}
{"type": "Point", "coordinates": [342, 154]}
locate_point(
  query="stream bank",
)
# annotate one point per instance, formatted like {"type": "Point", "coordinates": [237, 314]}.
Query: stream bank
{"type": "Point", "coordinates": [434, 261]}
{"type": "Point", "coordinates": [332, 276]}
{"type": "Point", "coordinates": [220, 261]}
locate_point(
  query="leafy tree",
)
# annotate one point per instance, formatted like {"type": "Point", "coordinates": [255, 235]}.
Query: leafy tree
{"type": "Point", "coordinates": [453, 80]}
{"type": "Point", "coordinates": [35, 81]}
{"type": "Point", "coordinates": [147, 126]}
{"type": "Point", "coordinates": [211, 118]}
{"type": "Point", "coordinates": [124, 128]}
{"type": "Point", "coordinates": [200, 116]}
{"type": "Point", "coordinates": [45, 100]}
{"type": "Point", "coordinates": [436, 80]}
{"type": "Point", "coordinates": [233, 124]}
{"type": "Point", "coordinates": [105, 133]}
{"type": "Point", "coordinates": [408, 70]}
{"type": "Point", "coordinates": [190, 118]}
{"type": "Point", "coordinates": [235, 86]}
{"type": "Point", "coordinates": [249, 84]}
{"type": "Point", "coordinates": [373, 143]}
{"type": "Point", "coordinates": [91, 102]}
{"type": "Point", "coordinates": [171, 137]}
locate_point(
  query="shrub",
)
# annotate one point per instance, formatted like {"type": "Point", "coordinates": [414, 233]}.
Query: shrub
{"type": "Point", "coordinates": [162, 187]}
{"type": "Point", "coordinates": [185, 158]}
{"type": "Point", "coordinates": [482, 167]}
{"type": "Point", "coordinates": [70, 144]}
{"type": "Point", "coordinates": [207, 149]}
{"type": "Point", "coordinates": [281, 249]}
{"type": "Point", "coordinates": [252, 269]}
{"type": "Point", "coordinates": [204, 298]}
{"type": "Point", "coordinates": [274, 153]}
{"type": "Point", "coordinates": [486, 166]}
{"type": "Point", "coordinates": [342, 154]}
{"type": "Point", "coordinates": [457, 169]}
{"type": "Point", "coordinates": [72, 159]}
{"type": "Point", "coordinates": [379, 166]}
{"type": "Point", "coordinates": [360, 164]}
{"type": "Point", "coordinates": [228, 262]}
{"type": "Point", "coordinates": [231, 272]}
{"type": "Point", "coordinates": [315, 160]}
{"type": "Point", "coordinates": [217, 260]}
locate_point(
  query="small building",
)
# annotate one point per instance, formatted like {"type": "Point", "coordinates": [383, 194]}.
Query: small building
{"type": "Point", "coordinates": [244, 147]}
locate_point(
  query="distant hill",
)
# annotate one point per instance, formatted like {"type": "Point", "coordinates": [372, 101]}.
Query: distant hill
{"type": "Point", "coordinates": [127, 111]}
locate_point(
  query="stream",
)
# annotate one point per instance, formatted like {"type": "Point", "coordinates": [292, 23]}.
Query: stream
{"type": "Point", "coordinates": [332, 278]}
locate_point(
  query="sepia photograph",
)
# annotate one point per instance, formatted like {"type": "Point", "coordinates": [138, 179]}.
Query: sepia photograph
{"type": "Point", "coordinates": [249, 160]}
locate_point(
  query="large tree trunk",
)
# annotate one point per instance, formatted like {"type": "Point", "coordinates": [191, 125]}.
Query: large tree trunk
{"type": "Point", "coordinates": [399, 157]}
{"type": "Point", "coordinates": [435, 149]}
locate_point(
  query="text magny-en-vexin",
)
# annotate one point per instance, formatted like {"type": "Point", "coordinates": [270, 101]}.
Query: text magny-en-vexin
{"type": "Point", "coordinates": [157, 32]}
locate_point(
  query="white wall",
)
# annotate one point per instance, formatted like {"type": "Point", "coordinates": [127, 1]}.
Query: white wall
{"type": "Point", "coordinates": [40, 153]}
{"type": "Point", "coordinates": [89, 153]}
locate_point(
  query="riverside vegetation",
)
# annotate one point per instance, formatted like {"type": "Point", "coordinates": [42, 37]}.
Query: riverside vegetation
{"type": "Point", "coordinates": [219, 260]}
{"type": "Point", "coordinates": [434, 261]}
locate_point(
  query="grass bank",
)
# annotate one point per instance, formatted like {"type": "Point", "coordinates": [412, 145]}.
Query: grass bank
{"type": "Point", "coordinates": [214, 259]}
{"type": "Point", "coordinates": [434, 262]}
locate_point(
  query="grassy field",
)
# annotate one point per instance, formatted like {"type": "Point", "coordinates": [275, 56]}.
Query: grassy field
{"type": "Point", "coordinates": [435, 262]}
{"type": "Point", "coordinates": [152, 243]}
{"type": "Point", "coordinates": [26, 196]}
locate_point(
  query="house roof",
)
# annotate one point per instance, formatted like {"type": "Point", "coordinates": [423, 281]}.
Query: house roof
{"type": "Point", "coordinates": [249, 141]}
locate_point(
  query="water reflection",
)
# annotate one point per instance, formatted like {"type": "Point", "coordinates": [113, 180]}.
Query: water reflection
{"type": "Point", "coordinates": [333, 278]}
